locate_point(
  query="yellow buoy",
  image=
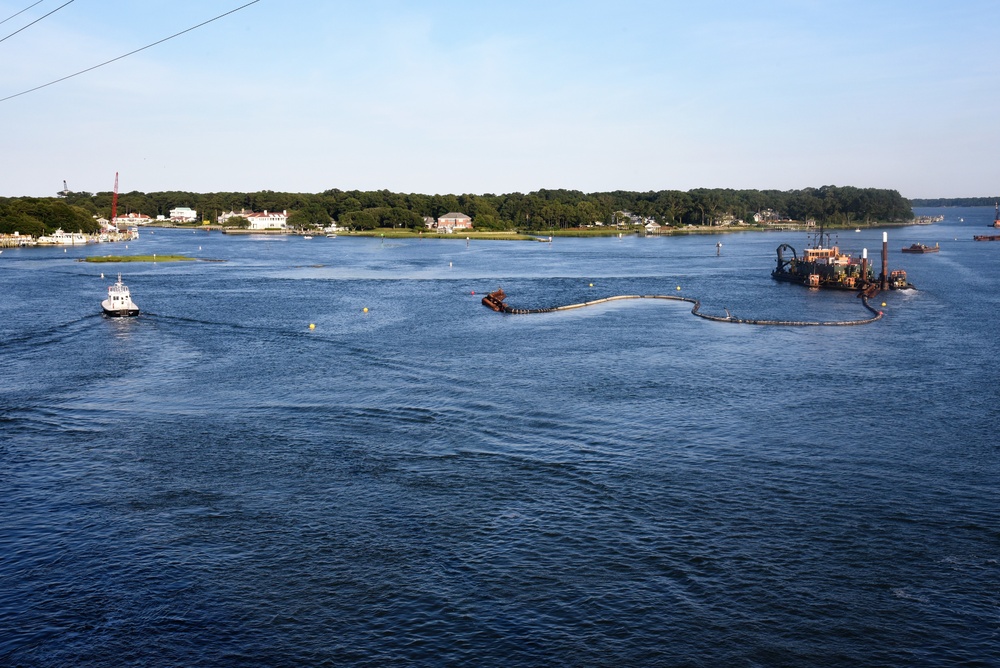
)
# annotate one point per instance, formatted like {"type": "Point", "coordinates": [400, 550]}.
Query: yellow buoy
{"type": "Point", "coordinates": [883, 303]}
{"type": "Point", "coordinates": [591, 285]}
{"type": "Point", "coordinates": [312, 325]}
{"type": "Point", "coordinates": [365, 309]}
{"type": "Point", "coordinates": [678, 287]}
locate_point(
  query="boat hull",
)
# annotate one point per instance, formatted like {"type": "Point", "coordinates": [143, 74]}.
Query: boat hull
{"type": "Point", "coordinates": [120, 312]}
{"type": "Point", "coordinates": [827, 283]}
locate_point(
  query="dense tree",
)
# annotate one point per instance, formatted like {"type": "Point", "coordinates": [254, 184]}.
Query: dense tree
{"type": "Point", "coordinates": [538, 210]}
{"type": "Point", "coordinates": [25, 214]}
{"type": "Point", "coordinates": [312, 215]}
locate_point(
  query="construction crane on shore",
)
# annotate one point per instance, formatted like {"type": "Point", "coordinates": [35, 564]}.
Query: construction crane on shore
{"type": "Point", "coordinates": [114, 202]}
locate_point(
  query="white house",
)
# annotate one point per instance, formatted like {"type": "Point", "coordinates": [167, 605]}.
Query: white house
{"type": "Point", "coordinates": [269, 220]}
{"type": "Point", "coordinates": [452, 221]}
{"type": "Point", "coordinates": [652, 227]}
{"type": "Point", "coordinates": [183, 214]}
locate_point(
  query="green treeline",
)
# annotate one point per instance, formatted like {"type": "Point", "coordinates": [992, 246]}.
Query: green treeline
{"type": "Point", "coordinates": [540, 210]}
{"type": "Point", "coordinates": [957, 201]}
{"type": "Point", "coordinates": [38, 216]}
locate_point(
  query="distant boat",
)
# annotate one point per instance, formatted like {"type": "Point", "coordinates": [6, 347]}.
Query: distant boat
{"type": "Point", "coordinates": [996, 214]}
{"type": "Point", "coordinates": [857, 229]}
{"type": "Point", "coordinates": [60, 238]}
{"type": "Point", "coordinates": [307, 237]}
{"type": "Point", "coordinates": [119, 303]}
{"type": "Point", "coordinates": [331, 236]}
{"type": "Point", "coordinates": [921, 248]}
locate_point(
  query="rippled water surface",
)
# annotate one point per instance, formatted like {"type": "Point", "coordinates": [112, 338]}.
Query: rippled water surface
{"type": "Point", "coordinates": [214, 483]}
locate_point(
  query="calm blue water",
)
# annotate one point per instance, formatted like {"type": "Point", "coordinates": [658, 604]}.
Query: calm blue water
{"type": "Point", "coordinates": [215, 484]}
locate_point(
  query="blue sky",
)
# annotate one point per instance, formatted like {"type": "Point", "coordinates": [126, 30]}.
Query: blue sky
{"type": "Point", "coordinates": [476, 97]}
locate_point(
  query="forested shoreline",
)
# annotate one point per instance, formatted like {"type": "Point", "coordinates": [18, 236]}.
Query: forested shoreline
{"type": "Point", "coordinates": [955, 201]}
{"type": "Point", "coordinates": [538, 210]}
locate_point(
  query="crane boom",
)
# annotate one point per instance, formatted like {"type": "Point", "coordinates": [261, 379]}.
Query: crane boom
{"type": "Point", "coordinates": [114, 202]}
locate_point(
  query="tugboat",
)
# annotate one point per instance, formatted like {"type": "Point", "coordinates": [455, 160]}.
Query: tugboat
{"type": "Point", "coordinates": [119, 303]}
{"type": "Point", "coordinates": [921, 248]}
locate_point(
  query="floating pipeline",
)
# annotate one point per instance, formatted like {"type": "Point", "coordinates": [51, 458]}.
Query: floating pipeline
{"type": "Point", "coordinates": [495, 301]}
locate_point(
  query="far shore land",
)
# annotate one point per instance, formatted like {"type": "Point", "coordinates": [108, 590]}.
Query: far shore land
{"type": "Point", "coordinates": [536, 235]}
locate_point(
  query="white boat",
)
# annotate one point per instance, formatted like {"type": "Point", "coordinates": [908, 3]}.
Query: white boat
{"type": "Point", "coordinates": [307, 237]}
{"type": "Point", "coordinates": [119, 303]}
{"type": "Point", "coordinates": [331, 236]}
{"type": "Point", "coordinates": [60, 238]}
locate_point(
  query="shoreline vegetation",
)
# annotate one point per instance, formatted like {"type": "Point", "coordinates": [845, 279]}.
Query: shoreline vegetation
{"type": "Point", "coordinates": [938, 202]}
{"type": "Point", "coordinates": [138, 258]}
{"type": "Point", "coordinates": [508, 216]}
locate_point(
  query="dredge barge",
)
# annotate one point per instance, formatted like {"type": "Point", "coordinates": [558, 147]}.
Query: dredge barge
{"type": "Point", "coordinates": [828, 268]}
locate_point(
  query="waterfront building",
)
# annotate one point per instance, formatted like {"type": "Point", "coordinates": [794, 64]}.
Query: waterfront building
{"type": "Point", "coordinates": [132, 219]}
{"type": "Point", "coordinates": [452, 221]}
{"type": "Point", "coordinates": [268, 220]}
{"type": "Point", "coordinates": [183, 214]}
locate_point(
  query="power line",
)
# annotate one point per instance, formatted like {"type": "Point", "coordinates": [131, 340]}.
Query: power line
{"type": "Point", "coordinates": [130, 53]}
{"type": "Point", "coordinates": [36, 20]}
{"type": "Point", "coordinates": [20, 12]}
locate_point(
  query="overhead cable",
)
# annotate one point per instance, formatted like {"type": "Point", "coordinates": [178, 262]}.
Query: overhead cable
{"type": "Point", "coordinates": [126, 55]}
{"type": "Point", "coordinates": [20, 12]}
{"type": "Point", "coordinates": [36, 20]}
